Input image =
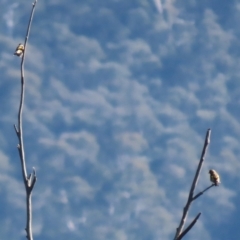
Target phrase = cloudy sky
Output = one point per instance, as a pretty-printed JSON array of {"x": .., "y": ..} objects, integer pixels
[{"x": 119, "y": 96}]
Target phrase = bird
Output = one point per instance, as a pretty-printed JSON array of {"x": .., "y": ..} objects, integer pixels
[
  {"x": 214, "y": 177},
  {"x": 19, "y": 50}
]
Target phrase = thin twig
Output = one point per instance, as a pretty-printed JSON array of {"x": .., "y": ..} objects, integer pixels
[
  {"x": 189, "y": 227},
  {"x": 194, "y": 183},
  {"x": 200, "y": 193},
  {"x": 28, "y": 183}
]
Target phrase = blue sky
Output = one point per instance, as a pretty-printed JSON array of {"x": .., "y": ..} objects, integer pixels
[{"x": 119, "y": 96}]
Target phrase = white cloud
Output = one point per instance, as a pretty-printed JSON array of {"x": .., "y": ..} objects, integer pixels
[
  {"x": 82, "y": 145},
  {"x": 206, "y": 114},
  {"x": 224, "y": 197},
  {"x": 133, "y": 141},
  {"x": 80, "y": 187},
  {"x": 158, "y": 5}
]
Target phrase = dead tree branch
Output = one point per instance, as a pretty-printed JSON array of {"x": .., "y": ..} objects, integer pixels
[
  {"x": 191, "y": 198},
  {"x": 189, "y": 227},
  {"x": 200, "y": 193},
  {"x": 30, "y": 181}
]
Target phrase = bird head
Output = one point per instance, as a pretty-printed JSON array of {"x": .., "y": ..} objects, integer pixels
[{"x": 211, "y": 171}]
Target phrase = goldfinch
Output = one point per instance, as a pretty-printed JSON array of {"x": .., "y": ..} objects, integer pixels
[
  {"x": 214, "y": 177},
  {"x": 19, "y": 50}
]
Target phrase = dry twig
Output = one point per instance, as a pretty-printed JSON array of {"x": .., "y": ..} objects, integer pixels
[
  {"x": 29, "y": 181},
  {"x": 179, "y": 232}
]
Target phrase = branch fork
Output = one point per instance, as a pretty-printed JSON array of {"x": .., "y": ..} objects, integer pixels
[{"x": 179, "y": 231}]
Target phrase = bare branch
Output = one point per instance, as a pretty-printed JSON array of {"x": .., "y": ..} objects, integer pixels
[
  {"x": 32, "y": 179},
  {"x": 200, "y": 193},
  {"x": 189, "y": 227},
  {"x": 19, "y": 132},
  {"x": 16, "y": 130},
  {"x": 194, "y": 184}
]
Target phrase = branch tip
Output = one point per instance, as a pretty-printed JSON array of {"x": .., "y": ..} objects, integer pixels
[
  {"x": 208, "y": 135},
  {"x": 34, "y": 171},
  {"x": 16, "y": 130}
]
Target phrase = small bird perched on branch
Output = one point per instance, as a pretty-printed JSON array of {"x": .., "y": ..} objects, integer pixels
[
  {"x": 19, "y": 50},
  {"x": 214, "y": 177}
]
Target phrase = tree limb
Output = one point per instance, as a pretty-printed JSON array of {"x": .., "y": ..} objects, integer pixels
[
  {"x": 194, "y": 184},
  {"x": 189, "y": 227},
  {"x": 19, "y": 133},
  {"x": 200, "y": 193}
]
